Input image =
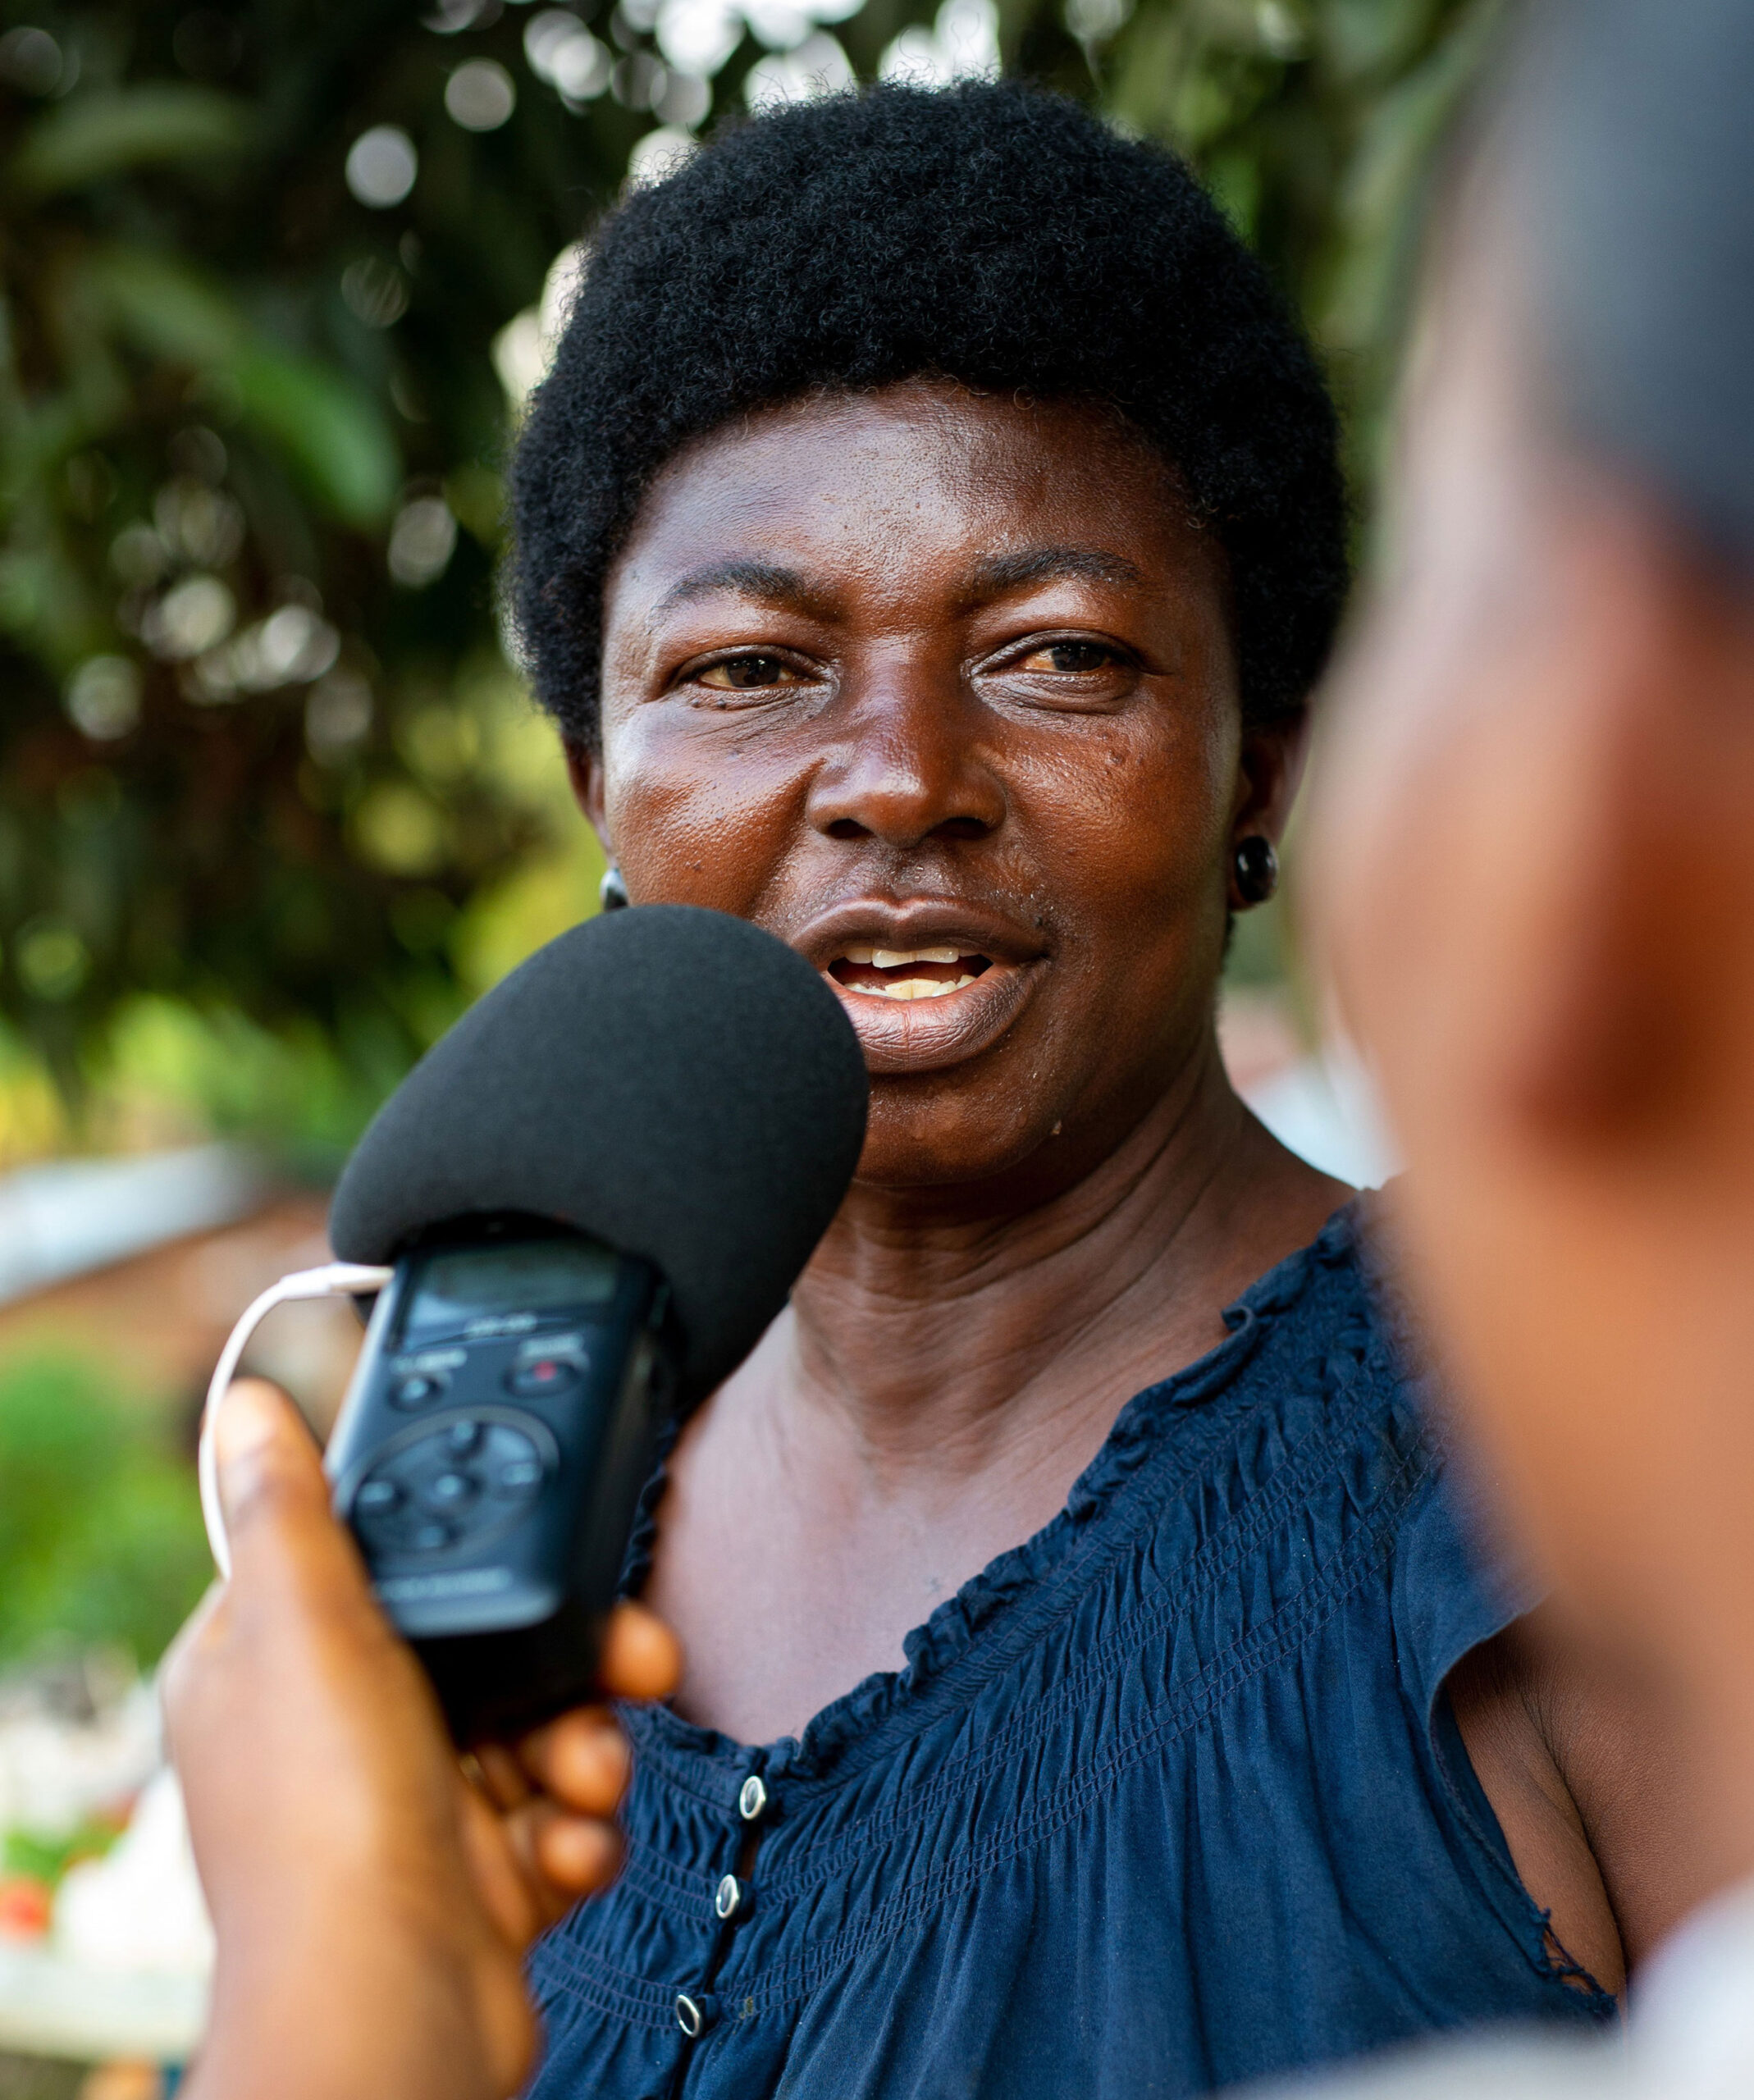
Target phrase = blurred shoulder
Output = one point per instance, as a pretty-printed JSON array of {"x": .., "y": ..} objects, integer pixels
[{"x": 1519, "y": 2068}]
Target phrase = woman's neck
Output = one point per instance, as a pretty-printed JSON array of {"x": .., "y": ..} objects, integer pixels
[
  {"x": 942, "y": 1329},
  {"x": 950, "y": 1363}
]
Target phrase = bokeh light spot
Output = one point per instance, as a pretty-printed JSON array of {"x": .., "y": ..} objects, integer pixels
[
  {"x": 422, "y": 541},
  {"x": 52, "y": 961},
  {"x": 30, "y": 60},
  {"x": 381, "y": 166},
  {"x": 479, "y": 95},
  {"x": 103, "y": 697}
]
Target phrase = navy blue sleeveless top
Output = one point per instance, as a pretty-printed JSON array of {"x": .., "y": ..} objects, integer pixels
[{"x": 1167, "y": 1797}]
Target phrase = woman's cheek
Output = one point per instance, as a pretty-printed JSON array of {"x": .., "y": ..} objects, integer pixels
[
  {"x": 1153, "y": 816},
  {"x": 691, "y": 823}
]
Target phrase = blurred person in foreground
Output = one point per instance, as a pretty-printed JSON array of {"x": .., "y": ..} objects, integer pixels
[{"x": 1538, "y": 880}]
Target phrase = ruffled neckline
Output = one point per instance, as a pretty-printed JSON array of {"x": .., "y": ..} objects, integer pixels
[{"x": 954, "y": 1625}]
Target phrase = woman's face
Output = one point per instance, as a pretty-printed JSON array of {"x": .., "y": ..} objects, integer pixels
[{"x": 941, "y": 690}]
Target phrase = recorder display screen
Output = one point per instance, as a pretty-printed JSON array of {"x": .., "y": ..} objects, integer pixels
[{"x": 531, "y": 1275}]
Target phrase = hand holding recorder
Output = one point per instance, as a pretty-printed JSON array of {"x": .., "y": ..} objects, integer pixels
[{"x": 370, "y": 1906}]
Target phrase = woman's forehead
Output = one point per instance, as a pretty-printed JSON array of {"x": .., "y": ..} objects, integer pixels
[{"x": 925, "y": 470}]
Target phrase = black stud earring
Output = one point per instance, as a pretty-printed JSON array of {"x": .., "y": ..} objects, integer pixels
[
  {"x": 612, "y": 891},
  {"x": 1256, "y": 869}
]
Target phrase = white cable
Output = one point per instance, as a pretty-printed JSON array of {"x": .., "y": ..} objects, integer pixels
[{"x": 335, "y": 1279}]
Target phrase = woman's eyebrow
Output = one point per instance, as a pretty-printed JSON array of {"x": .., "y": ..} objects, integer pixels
[
  {"x": 1001, "y": 573},
  {"x": 749, "y": 578}
]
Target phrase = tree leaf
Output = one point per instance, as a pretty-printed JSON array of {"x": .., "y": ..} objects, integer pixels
[
  {"x": 327, "y": 428},
  {"x": 164, "y": 309},
  {"x": 101, "y": 135},
  {"x": 331, "y": 432}
]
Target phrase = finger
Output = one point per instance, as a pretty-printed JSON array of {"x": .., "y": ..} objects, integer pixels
[
  {"x": 517, "y": 1902},
  {"x": 561, "y": 1857},
  {"x": 500, "y": 1775},
  {"x": 581, "y": 1760},
  {"x": 641, "y": 1658},
  {"x": 577, "y": 1855}
]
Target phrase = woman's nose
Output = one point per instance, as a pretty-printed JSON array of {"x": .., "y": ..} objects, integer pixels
[{"x": 909, "y": 765}]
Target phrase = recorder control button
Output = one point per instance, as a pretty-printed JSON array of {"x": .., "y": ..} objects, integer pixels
[
  {"x": 415, "y": 1392},
  {"x": 461, "y": 1480},
  {"x": 514, "y": 1466},
  {"x": 542, "y": 1374}
]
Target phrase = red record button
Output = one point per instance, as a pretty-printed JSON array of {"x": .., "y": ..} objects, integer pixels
[{"x": 542, "y": 1374}]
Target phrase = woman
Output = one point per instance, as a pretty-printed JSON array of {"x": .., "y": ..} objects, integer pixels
[{"x": 928, "y": 535}]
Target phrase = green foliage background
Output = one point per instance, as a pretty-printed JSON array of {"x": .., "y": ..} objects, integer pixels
[
  {"x": 216, "y": 363},
  {"x": 100, "y": 1528}
]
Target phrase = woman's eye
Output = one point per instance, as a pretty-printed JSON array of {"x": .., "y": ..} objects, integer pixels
[
  {"x": 740, "y": 673},
  {"x": 1069, "y": 657}
]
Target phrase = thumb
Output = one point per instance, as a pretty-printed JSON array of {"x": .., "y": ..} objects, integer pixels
[{"x": 272, "y": 1485}]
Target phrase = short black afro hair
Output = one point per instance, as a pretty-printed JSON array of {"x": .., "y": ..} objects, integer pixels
[{"x": 990, "y": 233}]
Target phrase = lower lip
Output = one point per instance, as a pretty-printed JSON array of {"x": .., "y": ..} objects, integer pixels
[{"x": 924, "y": 1035}]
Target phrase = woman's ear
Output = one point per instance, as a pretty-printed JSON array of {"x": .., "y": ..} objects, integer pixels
[
  {"x": 1268, "y": 770},
  {"x": 584, "y": 768}
]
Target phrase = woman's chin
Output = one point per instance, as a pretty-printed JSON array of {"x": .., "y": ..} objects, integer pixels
[
  {"x": 903, "y": 1036},
  {"x": 930, "y": 1147}
]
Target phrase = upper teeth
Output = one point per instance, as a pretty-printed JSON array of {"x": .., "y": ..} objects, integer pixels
[{"x": 891, "y": 958}]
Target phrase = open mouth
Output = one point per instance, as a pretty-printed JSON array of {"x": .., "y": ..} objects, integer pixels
[
  {"x": 931, "y": 972},
  {"x": 929, "y": 982}
]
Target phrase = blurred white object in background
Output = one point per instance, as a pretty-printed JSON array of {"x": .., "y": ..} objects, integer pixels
[
  {"x": 125, "y": 1969},
  {"x": 817, "y": 66},
  {"x": 1324, "y": 1108},
  {"x": 479, "y": 95},
  {"x": 140, "y": 1908},
  {"x": 524, "y": 348},
  {"x": 962, "y": 44},
  {"x": 422, "y": 539},
  {"x": 660, "y": 154},
  {"x": 698, "y": 36},
  {"x": 1320, "y": 1103},
  {"x": 68, "y": 1216},
  {"x": 50, "y": 2008},
  {"x": 61, "y": 1767}
]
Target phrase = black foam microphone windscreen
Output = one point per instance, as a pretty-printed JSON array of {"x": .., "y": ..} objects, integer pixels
[{"x": 674, "y": 1080}]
